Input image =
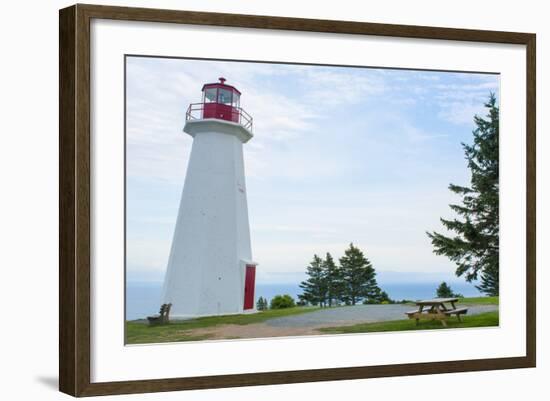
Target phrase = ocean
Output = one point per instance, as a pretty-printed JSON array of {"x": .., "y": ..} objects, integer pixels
[{"x": 143, "y": 298}]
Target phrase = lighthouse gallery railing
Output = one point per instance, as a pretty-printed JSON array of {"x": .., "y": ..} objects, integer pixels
[{"x": 195, "y": 111}]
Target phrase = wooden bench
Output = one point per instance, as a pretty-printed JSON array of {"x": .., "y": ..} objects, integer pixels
[
  {"x": 163, "y": 317},
  {"x": 457, "y": 312}
]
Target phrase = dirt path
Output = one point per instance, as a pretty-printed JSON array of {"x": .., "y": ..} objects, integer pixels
[{"x": 257, "y": 330}]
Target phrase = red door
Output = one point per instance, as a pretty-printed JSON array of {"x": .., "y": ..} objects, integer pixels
[{"x": 250, "y": 278}]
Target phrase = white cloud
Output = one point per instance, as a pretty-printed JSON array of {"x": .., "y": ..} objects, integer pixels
[
  {"x": 460, "y": 102},
  {"x": 335, "y": 87},
  {"x": 461, "y": 112},
  {"x": 417, "y": 135}
]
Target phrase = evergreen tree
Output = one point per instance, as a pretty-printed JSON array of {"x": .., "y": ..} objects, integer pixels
[
  {"x": 379, "y": 297},
  {"x": 303, "y": 300},
  {"x": 444, "y": 291},
  {"x": 358, "y": 276},
  {"x": 489, "y": 281},
  {"x": 261, "y": 304},
  {"x": 475, "y": 246},
  {"x": 333, "y": 280},
  {"x": 385, "y": 298},
  {"x": 314, "y": 288}
]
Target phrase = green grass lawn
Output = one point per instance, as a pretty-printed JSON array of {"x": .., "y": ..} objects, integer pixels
[
  {"x": 478, "y": 301},
  {"x": 139, "y": 332},
  {"x": 472, "y": 301},
  {"x": 482, "y": 320}
]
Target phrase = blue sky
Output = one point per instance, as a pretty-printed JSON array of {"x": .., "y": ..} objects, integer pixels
[{"x": 339, "y": 155}]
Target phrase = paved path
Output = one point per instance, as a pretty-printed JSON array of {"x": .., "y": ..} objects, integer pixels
[
  {"x": 309, "y": 323},
  {"x": 347, "y": 315}
]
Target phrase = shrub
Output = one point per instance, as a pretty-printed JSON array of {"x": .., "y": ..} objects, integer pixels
[{"x": 282, "y": 301}]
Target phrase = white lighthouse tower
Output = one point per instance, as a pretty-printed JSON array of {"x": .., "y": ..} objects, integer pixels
[{"x": 210, "y": 269}]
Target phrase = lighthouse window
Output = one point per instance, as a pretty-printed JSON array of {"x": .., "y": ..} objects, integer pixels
[
  {"x": 224, "y": 96},
  {"x": 210, "y": 95},
  {"x": 235, "y": 102}
]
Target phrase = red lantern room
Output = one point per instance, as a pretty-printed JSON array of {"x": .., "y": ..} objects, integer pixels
[{"x": 220, "y": 101}]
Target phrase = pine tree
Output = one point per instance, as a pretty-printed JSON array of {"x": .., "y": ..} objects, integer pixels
[
  {"x": 489, "y": 281},
  {"x": 385, "y": 298},
  {"x": 358, "y": 277},
  {"x": 444, "y": 291},
  {"x": 261, "y": 304},
  {"x": 333, "y": 280},
  {"x": 314, "y": 288},
  {"x": 475, "y": 246}
]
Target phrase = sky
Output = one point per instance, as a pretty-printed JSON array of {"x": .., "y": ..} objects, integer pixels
[{"x": 339, "y": 155}]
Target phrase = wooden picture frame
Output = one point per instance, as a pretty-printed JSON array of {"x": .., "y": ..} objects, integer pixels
[{"x": 74, "y": 199}]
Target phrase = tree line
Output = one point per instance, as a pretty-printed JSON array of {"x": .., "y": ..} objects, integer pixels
[{"x": 350, "y": 281}]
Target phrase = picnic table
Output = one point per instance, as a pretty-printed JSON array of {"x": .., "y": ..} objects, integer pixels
[{"x": 437, "y": 309}]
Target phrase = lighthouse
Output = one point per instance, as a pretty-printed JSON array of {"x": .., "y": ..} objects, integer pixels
[{"x": 210, "y": 269}]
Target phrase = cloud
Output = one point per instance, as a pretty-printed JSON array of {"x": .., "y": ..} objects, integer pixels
[
  {"x": 459, "y": 102},
  {"x": 417, "y": 135},
  {"x": 334, "y": 87},
  {"x": 461, "y": 112}
]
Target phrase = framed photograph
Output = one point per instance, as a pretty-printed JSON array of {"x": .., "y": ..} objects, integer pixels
[{"x": 250, "y": 200}]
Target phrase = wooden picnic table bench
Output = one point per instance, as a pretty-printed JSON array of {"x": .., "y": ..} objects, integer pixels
[{"x": 436, "y": 310}]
